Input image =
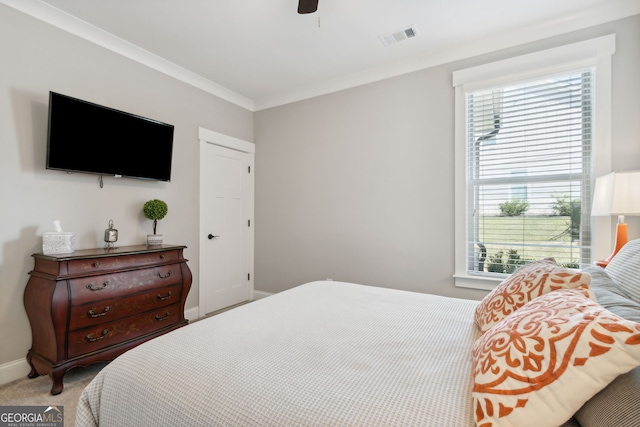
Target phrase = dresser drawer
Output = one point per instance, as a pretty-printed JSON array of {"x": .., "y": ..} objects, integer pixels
[
  {"x": 97, "y": 288},
  {"x": 98, "y": 312},
  {"x": 110, "y": 333},
  {"x": 105, "y": 264}
]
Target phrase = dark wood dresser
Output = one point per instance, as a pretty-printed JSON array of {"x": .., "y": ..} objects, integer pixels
[{"x": 93, "y": 305}]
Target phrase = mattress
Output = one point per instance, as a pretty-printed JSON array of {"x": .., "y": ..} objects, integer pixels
[{"x": 321, "y": 354}]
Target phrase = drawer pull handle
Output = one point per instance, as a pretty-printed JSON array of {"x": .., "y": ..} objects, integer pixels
[
  {"x": 161, "y": 318},
  {"x": 93, "y": 287},
  {"x": 92, "y": 313},
  {"x": 162, "y": 256},
  {"x": 96, "y": 264},
  {"x": 165, "y": 297},
  {"x": 91, "y": 338},
  {"x": 164, "y": 276}
]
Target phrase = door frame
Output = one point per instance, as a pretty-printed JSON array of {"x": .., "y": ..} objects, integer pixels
[{"x": 206, "y": 136}]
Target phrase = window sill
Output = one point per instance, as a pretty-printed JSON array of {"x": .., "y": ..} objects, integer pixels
[{"x": 477, "y": 282}]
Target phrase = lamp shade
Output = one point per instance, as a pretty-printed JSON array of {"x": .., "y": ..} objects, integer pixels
[{"x": 617, "y": 193}]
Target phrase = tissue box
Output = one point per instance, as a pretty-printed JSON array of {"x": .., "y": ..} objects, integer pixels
[{"x": 54, "y": 242}]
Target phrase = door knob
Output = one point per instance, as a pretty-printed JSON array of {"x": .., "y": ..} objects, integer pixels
[{"x": 211, "y": 236}]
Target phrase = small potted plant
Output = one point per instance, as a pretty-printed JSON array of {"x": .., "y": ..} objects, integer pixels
[{"x": 155, "y": 210}]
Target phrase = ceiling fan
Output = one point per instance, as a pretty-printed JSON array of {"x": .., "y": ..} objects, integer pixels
[{"x": 307, "y": 6}]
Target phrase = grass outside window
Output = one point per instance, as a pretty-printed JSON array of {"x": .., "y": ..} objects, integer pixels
[{"x": 545, "y": 236}]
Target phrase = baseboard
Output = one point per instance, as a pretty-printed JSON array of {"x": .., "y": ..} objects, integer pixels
[
  {"x": 192, "y": 314},
  {"x": 15, "y": 370},
  {"x": 260, "y": 294}
]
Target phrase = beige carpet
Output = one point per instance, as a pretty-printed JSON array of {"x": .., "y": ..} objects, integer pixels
[{"x": 37, "y": 391}]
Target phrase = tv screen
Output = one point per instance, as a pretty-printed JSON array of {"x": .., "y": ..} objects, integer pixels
[{"x": 90, "y": 138}]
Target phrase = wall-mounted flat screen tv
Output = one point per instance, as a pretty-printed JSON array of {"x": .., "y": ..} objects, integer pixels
[{"x": 90, "y": 138}]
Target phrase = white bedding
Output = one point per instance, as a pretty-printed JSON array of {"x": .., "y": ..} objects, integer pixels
[{"x": 321, "y": 354}]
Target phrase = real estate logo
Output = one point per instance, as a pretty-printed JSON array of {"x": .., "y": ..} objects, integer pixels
[{"x": 31, "y": 416}]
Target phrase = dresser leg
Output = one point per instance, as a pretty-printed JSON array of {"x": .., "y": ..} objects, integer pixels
[
  {"x": 33, "y": 373},
  {"x": 56, "y": 376}
]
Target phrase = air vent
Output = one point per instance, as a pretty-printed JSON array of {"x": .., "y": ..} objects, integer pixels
[{"x": 399, "y": 35}]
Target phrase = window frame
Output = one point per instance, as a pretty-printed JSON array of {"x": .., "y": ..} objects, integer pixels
[{"x": 595, "y": 53}]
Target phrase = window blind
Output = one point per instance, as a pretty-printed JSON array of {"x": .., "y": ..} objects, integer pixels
[{"x": 529, "y": 169}]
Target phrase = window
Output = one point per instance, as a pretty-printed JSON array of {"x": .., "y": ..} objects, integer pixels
[
  {"x": 525, "y": 162},
  {"x": 528, "y": 173}
]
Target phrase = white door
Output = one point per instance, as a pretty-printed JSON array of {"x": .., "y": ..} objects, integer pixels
[{"x": 226, "y": 215}]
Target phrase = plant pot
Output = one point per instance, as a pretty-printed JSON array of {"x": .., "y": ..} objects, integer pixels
[{"x": 154, "y": 239}]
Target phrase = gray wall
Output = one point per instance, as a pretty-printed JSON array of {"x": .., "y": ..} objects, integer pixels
[
  {"x": 37, "y": 58},
  {"x": 355, "y": 185},
  {"x": 358, "y": 185}
]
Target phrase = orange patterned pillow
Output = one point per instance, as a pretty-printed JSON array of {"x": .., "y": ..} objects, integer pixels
[
  {"x": 526, "y": 283},
  {"x": 539, "y": 365}
]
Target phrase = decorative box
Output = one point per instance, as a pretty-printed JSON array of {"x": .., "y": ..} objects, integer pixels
[{"x": 58, "y": 242}]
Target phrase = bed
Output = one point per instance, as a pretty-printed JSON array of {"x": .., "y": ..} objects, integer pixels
[{"x": 330, "y": 353}]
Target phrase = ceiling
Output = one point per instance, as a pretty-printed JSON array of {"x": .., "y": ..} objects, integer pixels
[{"x": 262, "y": 53}]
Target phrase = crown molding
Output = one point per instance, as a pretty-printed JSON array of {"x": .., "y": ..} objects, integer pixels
[
  {"x": 83, "y": 29},
  {"x": 611, "y": 11}
]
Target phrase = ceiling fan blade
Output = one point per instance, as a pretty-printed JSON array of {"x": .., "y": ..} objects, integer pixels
[{"x": 307, "y": 6}]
